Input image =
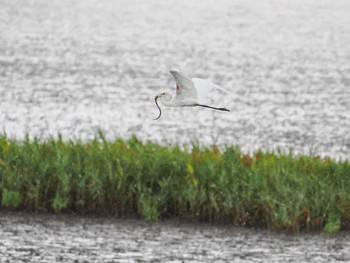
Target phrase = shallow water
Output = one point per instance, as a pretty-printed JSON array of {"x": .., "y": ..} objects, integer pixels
[
  {"x": 49, "y": 238},
  {"x": 73, "y": 67}
]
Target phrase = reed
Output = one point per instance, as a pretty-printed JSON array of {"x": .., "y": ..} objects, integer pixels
[{"x": 127, "y": 178}]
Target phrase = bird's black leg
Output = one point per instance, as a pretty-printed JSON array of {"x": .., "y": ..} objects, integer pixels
[{"x": 210, "y": 107}]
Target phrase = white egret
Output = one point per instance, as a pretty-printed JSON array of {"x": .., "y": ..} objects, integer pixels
[{"x": 189, "y": 92}]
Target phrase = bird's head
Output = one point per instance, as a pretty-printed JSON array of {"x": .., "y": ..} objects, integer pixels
[{"x": 159, "y": 95}]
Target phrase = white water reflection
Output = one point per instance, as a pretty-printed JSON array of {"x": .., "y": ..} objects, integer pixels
[
  {"x": 49, "y": 238},
  {"x": 73, "y": 67}
]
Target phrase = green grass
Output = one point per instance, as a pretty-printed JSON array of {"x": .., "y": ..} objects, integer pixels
[{"x": 128, "y": 178}]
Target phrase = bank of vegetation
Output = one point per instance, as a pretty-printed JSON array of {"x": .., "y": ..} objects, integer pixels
[{"x": 130, "y": 178}]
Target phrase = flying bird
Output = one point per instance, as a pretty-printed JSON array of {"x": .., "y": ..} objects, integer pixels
[{"x": 189, "y": 93}]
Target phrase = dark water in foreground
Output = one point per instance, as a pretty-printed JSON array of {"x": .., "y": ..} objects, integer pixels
[{"x": 51, "y": 238}]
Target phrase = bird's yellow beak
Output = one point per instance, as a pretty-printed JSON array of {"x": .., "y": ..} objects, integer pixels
[{"x": 159, "y": 95}]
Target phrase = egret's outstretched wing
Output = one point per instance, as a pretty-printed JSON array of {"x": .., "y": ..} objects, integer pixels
[
  {"x": 207, "y": 92},
  {"x": 185, "y": 88}
]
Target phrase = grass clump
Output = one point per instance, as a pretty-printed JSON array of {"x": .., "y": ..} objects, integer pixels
[{"x": 129, "y": 178}]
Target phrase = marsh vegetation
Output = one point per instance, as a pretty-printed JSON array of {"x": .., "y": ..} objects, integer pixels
[{"x": 131, "y": 178}]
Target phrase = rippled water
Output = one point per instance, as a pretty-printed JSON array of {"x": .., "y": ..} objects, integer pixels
[
  {"x": 42, "y": 238},
  {"x": 73, "y": 67}
]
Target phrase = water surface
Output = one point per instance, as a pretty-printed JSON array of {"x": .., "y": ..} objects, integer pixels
[
  {"x": 73, "y": 67},
  {"x": 62, "y": 238}
]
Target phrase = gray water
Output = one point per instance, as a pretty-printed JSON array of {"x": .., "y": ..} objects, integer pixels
[
  {"x": 48, "y": 238},
  {"x": 74, "y": 67}
]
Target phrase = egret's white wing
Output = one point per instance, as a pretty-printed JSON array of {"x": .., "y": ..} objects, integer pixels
[
  {"x": 185, "y": 88},
  {"x": 207, "y": 92}
]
